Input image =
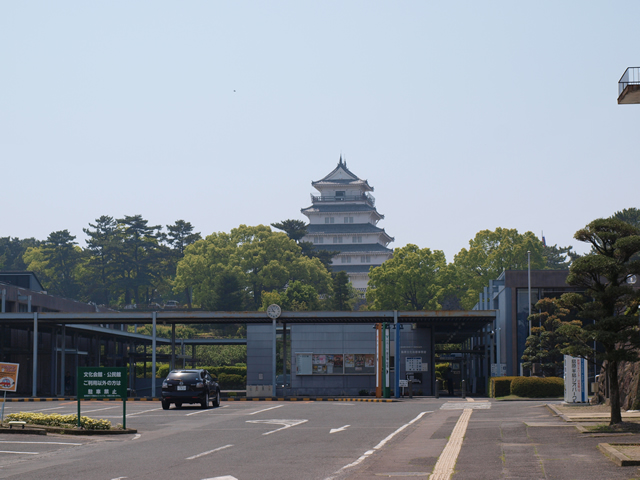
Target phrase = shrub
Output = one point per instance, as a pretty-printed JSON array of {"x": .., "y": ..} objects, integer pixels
[
  {"x": 57, "y": 420},
  {"x": 501, "y": 386},
  {"x": 536, "y": 387},
  {"x": 229, "y": 381}
]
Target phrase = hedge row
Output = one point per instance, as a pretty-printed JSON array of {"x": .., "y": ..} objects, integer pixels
[
  {"x": 529, "y": 387},
  {"x": 57, "y": 420},
  {"x": 501, "y": 386},
  {"x": 537, "y": 387}
]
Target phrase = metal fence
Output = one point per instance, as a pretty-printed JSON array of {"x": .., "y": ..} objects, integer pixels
[{"x": 631, "y": 76}]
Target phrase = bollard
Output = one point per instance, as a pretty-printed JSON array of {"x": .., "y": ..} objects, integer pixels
[
  {"x": 463, "y": 386},
  {"x": 437, "y": 388}
]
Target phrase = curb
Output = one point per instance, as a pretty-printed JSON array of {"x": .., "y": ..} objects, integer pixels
[
  {"x": 224, "y": 399},
  {"x": 617, "y": 457}
]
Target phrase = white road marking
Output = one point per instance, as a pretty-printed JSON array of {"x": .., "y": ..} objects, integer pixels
[
  {"x": 341, "y": 429},
  {"x": 465, "y": 405},
  {"x": 264, "y": 410},
  {"x": 286, "y": 423},
  {"x": 45, "y": 409},
  {"x": 136, "y": 436},
  {"x": 144, "y": 411},
  {"x": 119, "y": 478},
  {"x": 226, "y": 477},
  {"x": 377, "y": 447},
  {"x": 207, "y": 453},
  {"x": 20, "y": 453},
  {"x": 44, "y": 443},
  {"x": 197, "y": 412},
  {"x": 447, "y": 460},
  {"x": 96, "y": 410}
]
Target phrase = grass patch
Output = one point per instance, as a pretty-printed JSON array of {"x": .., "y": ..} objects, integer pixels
[{"x": 623, "y": 427}]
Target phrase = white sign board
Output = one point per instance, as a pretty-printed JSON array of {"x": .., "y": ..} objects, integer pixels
[
  {"x": 575, "y": 380},
  {"x": 413, "y": 364},
  {"x": 303, "y": 364},
  {"x": 403, "y": 383},
  {"x": 498, "y": 369}
]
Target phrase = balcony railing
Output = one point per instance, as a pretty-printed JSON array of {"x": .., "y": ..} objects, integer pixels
[
  {"x": 365, "y": 197},
  {"x": 631, "y": 76}
]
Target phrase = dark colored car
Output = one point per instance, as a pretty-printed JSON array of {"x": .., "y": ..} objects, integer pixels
[{"x": 190, "y": 386}]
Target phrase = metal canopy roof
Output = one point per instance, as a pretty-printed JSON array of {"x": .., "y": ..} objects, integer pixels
[{"x": 450, "y": 326}]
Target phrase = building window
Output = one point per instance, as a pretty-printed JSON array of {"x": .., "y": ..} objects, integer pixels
[
  {"x": 337, "y": 239},
  {"x": 321, "y": 239},
  {"x": 365, "y": 259},
  {"x": 346, "y": 259},
  {"x": 348, "y": 219},
  {"x": 340, "y": 196},
  {"x": 356, "y": 239},
  {"x": 315, "y": 239}
]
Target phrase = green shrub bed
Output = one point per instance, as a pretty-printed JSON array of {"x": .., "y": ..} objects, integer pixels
[
  {"x": 501, "y": 386},
  {"x": 57, "y": 420},
  {"x": 536, "y": 387}
]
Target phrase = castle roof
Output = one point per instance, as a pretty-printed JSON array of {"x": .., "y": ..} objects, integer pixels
[{"x": 341, "y": 175}]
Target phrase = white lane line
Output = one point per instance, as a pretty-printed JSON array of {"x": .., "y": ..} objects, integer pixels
[
  {"x": 207, "y": 453},
  {"x": 447, "y": 461},
  {"x": 341, "y": 429},
  {"x": 144, "y": 411},
  {"x": 45, "y": 409},
  {"x": 44, "y": 443},
  {"x": 20, "y": 453},
  {"x": 266, "y": 409},
  {"x": 196, "y": 412},
  {"x": 97, "y": 410},
  {"x": 377, "y": 447}
]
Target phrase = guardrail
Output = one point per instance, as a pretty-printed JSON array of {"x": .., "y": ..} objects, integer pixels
[{"x": 631, "y": 76}]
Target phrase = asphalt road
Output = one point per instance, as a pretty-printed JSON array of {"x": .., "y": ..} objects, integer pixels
[{"x": 311, "y": 440}]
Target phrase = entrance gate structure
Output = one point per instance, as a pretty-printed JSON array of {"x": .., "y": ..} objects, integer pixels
[{"x": 320, "y": 341}]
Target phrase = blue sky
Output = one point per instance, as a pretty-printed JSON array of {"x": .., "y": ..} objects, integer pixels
[{"x": 464, "y": 116}]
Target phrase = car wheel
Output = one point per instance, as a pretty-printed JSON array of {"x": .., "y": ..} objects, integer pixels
[
  {"x": 178, "y": 405},
  {"x": 216, "y": 399},
  {"x": 165, "y": 405},
  {"x": 205, "y": 401}
]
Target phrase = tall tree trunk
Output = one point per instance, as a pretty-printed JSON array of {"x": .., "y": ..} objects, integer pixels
[{"x": 614, "y": 393}]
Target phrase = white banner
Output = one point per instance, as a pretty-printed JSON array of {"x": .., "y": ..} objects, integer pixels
[{"x": 575, "y": 380}]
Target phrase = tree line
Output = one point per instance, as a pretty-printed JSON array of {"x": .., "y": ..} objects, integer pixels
[{"x": 128, "y": 261}]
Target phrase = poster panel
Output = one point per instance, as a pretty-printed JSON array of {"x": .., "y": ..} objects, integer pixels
[
  {"x": 102, "y": 382},
  {"x": 304, "y": 364},
  {"x": 9, "y": 377},
  {"x": 575, "y": 380}
]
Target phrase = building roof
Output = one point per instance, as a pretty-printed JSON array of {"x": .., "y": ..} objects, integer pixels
[
  {"x": 341, "y": 175},
  {"x": 340, "y": 208},
  {"x": 361, "y": 248},
  {"x": 342, "y": 228}
]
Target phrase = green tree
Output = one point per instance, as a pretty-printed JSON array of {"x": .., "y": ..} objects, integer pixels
[
  {"x": 12, "y": 251},
  {"x": 611, "y": 304},
  {"x": 629, "y": 215},
  {"x": 545, "y": 344},
  {"x": 180, "y": 235},
  {"x": 489, "y": 254},
  {"x": 295, "y": 229},
  {"x": 140, "y": 258},
  {"x": 56, "y": 262},
  {"x": 558, "y": 258},
  {"x": 413, "y": 279},
  {"x": 262, "y": 260},
  {"x": 344, "y": 295},
  {"x": 104, "y": 243}
]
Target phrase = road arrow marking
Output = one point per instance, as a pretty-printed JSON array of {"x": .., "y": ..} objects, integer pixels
[
  {"x": 286, "y": 423},
  {"x": 341, "y": 429}
]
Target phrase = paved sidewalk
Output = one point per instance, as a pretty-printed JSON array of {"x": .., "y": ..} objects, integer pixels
[{"x": 510, "y": 440}]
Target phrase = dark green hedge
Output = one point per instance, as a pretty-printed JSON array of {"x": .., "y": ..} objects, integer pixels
[
  {"x": 536, "y": 387},
  {"x": 501, "y": 386}
]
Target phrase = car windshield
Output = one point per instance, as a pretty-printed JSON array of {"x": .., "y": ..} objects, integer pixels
[{"x": 184, "y": 376}]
